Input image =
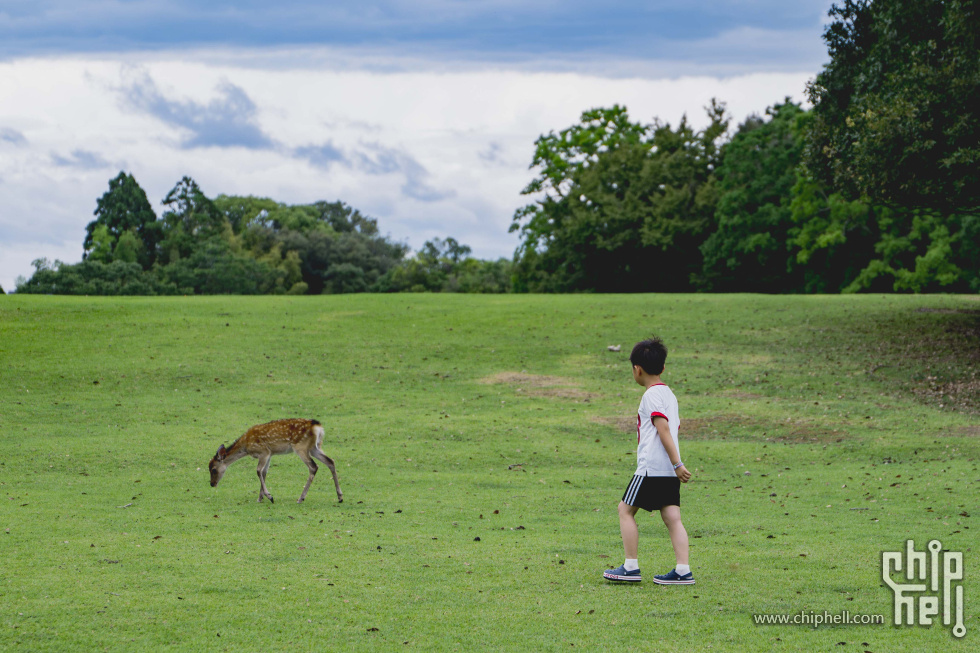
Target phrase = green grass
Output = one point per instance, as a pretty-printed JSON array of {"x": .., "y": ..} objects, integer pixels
[{"x": 821, "y": 431}]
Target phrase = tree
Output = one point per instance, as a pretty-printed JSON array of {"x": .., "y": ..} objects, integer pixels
[
  {"x": 834, "y": 239},
  {"x": 434, "y": 268},
  {"x": 91, "y": 277},
  {"x": 895, "y": 125},
  {"x": 100, "y": 245},
  {"x": 190, "y": 218},
  {"x": 245, "y": 212},
  {"x": 622, "y": 206},
  {"x": 213, "y": 268},
  {"x": 128, "y": 247},
  {"x": 845, "y": 245},
  {"x": 345, "y": 219},
  {"x": 749, "y": 249},
  {"x": 326, "y": 257},
  {"x": 895, "y": 115},
  {"x": 477, "y": 276},
  {"x": 122, "y": 208}
]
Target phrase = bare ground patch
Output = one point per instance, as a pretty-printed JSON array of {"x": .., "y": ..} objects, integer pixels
[
  {"x": 562, "y": 393},
  {"x": 540, "y": 385},
  {"x": 963, "y": 393},
  {"x": 939, "y": 356},
  {"x": 718, "y": 427},
  {"x": 965, "y": 432},
  {"x": 525, "y": 380}
]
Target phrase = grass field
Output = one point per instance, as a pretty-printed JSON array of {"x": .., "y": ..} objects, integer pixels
[{"x": 482, "y": 444}]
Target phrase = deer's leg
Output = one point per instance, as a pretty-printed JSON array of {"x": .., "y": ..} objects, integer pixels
[
  {"x": 262, "y": 470},
  {"x": 305, "y": 456},
  {"x": 323, "y": 458}
]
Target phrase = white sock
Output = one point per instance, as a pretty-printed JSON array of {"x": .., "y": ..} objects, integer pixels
[
  {"x": 631, "y": 565},
  {"x": 683, "y": 570}
]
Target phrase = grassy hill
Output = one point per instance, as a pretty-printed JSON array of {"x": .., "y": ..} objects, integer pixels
[{"x": 483, "y": 444}]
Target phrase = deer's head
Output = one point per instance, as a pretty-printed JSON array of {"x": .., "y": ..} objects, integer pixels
[{"x": 218, "y": 465}]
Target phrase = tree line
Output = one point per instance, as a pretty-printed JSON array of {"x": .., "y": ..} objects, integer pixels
[
  {"x": 875, "y": 188},
  {"x": 249, "y": 245}
]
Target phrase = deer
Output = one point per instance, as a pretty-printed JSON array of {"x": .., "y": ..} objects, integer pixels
[{"x": 302, "y": 436}]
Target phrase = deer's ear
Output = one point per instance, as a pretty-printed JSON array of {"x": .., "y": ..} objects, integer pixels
[{"x": 221, "y": 452}]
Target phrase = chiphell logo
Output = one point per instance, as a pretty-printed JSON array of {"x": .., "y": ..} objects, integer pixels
[{"x": 942, "y": 583}]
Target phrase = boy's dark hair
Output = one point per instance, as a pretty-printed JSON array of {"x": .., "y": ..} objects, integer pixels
[{"x": 650, "y": 354}]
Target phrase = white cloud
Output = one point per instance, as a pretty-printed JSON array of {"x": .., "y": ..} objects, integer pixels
[{"x": 428, "y": 153}]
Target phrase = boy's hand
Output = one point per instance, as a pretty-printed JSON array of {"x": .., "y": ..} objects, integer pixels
[{"x": 683, "y": 474}]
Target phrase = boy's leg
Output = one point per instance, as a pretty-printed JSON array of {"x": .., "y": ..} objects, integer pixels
[
  {"x": 629, "y": 530},
  {"x": 629, "y": 571},
  {"x": 678, "y": 534}
]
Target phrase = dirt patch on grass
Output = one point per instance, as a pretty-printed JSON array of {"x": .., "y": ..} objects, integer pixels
[
  {"x": 540, "y": 385},
  {"x": 965, "y": 432},
  {"x": 524, "y": 380},
  {"x": 807, "y": 432},
  {"x": 718, "y": 427},
  {"x": 961, "y": 394},
  {"x": 562, "y": 393},
  {"x": 937, "y": 354}
]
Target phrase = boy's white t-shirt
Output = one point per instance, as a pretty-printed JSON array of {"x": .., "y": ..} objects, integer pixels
[{"x": 651, "y": 457}]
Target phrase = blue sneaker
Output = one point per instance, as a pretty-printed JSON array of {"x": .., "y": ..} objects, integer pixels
[
  {"x": 673, "y": 578},
  {"x": 620, "y": 574}
]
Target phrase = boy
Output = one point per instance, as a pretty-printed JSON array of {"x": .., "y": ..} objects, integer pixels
[{"x": 659, "y": 470}]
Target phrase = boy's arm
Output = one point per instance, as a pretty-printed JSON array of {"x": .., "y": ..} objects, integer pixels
[{"x": 663, "y": 430}]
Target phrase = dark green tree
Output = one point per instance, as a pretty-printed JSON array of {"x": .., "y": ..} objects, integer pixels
[
  {"x": 344, "y": 219},
  {"x": 749, "y": 251},
  {"x": 434, "y": 268},
  {"x": 326, "y": 258},
  {"x": 213, "y": 268},
  {"x": 894, "y": 125},
  {"x": 243, "y": 213},
  {"x": 834, "y": 239},
  {"x": 895, "y": 109},
  {"x": 845, "y": 245},
  {"x": 123, "y": 208},
  {"x": 91, "y": 277},
  {"x": 190, "y": 219},
  {"x": 622, "y": 207}
]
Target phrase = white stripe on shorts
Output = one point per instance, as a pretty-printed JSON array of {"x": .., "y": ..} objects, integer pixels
[{"x": 633, "y": 488}]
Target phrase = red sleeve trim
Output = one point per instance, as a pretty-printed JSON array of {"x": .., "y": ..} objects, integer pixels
[{"x": 652, "y": 415}]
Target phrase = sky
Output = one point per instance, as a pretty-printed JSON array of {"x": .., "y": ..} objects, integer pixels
[{"x": 422, "y": 114}]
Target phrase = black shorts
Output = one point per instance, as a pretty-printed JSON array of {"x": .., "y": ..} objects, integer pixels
[{"x": 653, "y": 492}]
